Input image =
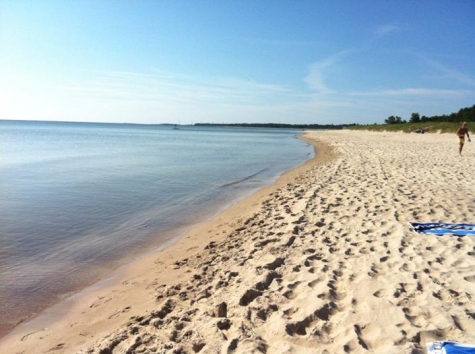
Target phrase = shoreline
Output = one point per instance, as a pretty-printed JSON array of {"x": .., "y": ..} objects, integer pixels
[
  {"x": 22, "y": 306},
  {"x": 322, "y": 259},
  {"x": 59, "y": 312}
]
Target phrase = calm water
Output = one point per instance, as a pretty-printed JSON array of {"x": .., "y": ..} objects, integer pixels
[{"x": 77, "y": 200}]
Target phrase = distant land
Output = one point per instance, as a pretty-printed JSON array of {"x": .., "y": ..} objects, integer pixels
[
  {"x": 466, "y": 114},
  {"x": 276, "y": 125}
]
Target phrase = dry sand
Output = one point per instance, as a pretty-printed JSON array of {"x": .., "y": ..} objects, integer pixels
[{"x": 323, "y": 261}]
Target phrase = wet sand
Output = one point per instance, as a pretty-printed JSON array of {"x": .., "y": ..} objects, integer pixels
[{"x": 323, "y": 261}]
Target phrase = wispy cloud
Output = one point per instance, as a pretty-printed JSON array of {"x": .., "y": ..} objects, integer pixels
[
  {"x": 449, "y": 72},
  {"x": 158, "y": 96},
  {"x": 281, "y": 42},
  {"x": 386, "y": 30},
  {"x": 317, "y": 77},
  {"x": 175, "y": 87},
  {"x": 415, "y": 92}
]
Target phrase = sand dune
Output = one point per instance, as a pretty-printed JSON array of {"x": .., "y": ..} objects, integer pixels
[{"x": 324, "y": 261}]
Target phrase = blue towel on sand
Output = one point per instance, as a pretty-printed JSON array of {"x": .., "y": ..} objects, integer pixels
[
  {"x": 442, "y": 228},
  {"x": 450, "y": 348}
]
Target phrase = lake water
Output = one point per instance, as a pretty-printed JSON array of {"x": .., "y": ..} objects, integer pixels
[{"x": 77, "y": 200}]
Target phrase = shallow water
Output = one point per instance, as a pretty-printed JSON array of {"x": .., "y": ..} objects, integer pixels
[{"x": 77, "y": 200}]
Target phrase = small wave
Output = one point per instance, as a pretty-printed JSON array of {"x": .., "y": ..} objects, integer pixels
[{"x": 244, "y": 179}]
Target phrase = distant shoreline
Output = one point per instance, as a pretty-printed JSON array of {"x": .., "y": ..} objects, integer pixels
[{"x": 240, "y": 125}]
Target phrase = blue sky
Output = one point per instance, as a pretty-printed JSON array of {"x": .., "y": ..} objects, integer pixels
[{"x": 235, "y": 61}]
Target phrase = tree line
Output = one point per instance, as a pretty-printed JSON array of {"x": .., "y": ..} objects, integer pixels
[
  {"x": 277, "y": 125},
  {"x": 463, "y": 115}
]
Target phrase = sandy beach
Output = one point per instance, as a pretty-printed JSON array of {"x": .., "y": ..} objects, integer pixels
[{"x": 323, "y": 261}]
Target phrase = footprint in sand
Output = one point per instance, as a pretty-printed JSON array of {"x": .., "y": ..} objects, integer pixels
[
  {"x": 117, "y": 313},
  {"x": 367, "y": 335},
  {"x": 313, "y": 283},
  {"x": 416, "y": 316},
  {"x": 301, "y": 327},
  {"x": 470, "y": 278},
  {"x": 100, "y": 301}
]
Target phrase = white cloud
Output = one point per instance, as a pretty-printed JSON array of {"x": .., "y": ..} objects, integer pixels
[
  {"x": 317, "y": 78},
  {"x": 385, "y": 30},
  {"x": 281, "y": 42},
  {"x": 176, "y": 88},
  {"x": 449, "y": 72},
  {"x": 164, "y": 97},
  {"x": 415, "y": 92},
  {"x": 156, "y": 97}
]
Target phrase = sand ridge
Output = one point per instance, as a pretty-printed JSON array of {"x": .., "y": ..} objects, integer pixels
[{"x": 322, "y": 262}]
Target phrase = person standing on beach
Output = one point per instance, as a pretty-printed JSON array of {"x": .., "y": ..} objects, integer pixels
[{"x": 461, "y": 134}]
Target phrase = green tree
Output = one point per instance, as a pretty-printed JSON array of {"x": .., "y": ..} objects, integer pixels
[
  {"x": 415, "y": 118},
  {"x": 394, "y": 120},
  {"x": 466, "y": 114},
  {"x": 390, "y": 120}
]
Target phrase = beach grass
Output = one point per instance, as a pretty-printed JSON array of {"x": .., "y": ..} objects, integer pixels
[{"x": 428, "y": 127}]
